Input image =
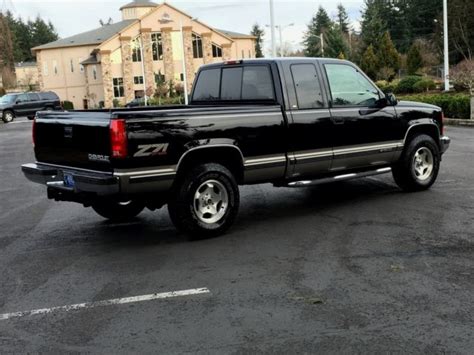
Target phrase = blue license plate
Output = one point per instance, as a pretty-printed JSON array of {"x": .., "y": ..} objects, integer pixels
[{"x": 68, "y": 180}]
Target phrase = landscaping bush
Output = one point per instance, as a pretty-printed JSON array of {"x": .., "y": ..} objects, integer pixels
[
  {"x": 406, "y": 85},
  {"x": 2, "y": 92},
  {"x": 453, "y": 105},
  {"x": 424, "y": 85},
  {"x": 68, "y": 105},
  {"x": 385, "y": 86}
]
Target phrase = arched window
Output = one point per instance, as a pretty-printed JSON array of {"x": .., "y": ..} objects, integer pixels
[
  {"x": 197, "y": 46},
  {"x": 136, "y": 50}
]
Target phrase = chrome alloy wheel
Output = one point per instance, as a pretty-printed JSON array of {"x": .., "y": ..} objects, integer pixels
[
  {"x": 211, "y": 201},
  {"x": 8, "y": 116},
  {"x": 423, "y": 164}
]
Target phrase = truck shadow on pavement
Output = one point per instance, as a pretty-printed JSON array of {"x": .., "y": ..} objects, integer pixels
[{"x": 261, "y": 207}]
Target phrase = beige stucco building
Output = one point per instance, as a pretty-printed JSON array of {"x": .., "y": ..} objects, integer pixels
[
  {"x": 122, "y": 60},
  {"x": 26, "y": 76}
]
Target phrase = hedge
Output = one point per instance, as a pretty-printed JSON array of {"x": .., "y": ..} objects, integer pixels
[{"x": 453, "y": 105}]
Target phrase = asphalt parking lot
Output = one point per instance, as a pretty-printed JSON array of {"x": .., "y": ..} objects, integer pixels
[{"x": 356, "y": 267}]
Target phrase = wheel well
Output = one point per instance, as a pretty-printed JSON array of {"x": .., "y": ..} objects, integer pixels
[
  {"x": 428, "y": 129},
  {"x": 229, "y": 157}
]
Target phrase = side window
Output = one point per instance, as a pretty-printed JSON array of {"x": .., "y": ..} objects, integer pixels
[
  {"x": 257, "y": 83},
  {"x": 33, "y": 97},
  {"x": 308, "y": 89},
  {"x": 207, "y": 85},
  {"x": 231, "y": 84},
  {"x": 349, "y": 87},
  {"x": 22, "y": 98}
]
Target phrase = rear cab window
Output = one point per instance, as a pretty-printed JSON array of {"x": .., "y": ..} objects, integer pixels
[
  {"x": 235, "y": 83},
  {"x": 307, "y": 86}
]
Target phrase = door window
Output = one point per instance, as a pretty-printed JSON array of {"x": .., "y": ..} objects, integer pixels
[
  {"x": 33, "y": 97},
  {"x": 308, "y": 90},
  {"x": 349, "y": 87},
  {"x": 22, "y": 98}
]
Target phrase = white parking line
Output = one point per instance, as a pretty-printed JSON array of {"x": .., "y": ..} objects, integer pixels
[{"x": 111, "y": 302}]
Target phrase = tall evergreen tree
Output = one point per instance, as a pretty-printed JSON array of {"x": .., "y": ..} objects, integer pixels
[
  {"x": 369, "y": 62},
  {"x": 373, "y": 25},
  {"x": 42, "y": 32},
  {"x": 320, "y": 23},
  {"x": 389, "y": 58},
  {"x": 343, "y": 19},
  {"x": 335, "y": 43},
  {"x": 414, "y": 60},
  {"x": 258, "y": 32}
]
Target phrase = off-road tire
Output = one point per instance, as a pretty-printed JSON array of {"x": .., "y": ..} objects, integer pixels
[
  {"x": 405, "y": 172},
  {"x": 184, "y": 208}
]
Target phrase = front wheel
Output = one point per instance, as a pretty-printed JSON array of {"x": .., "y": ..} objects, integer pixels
[
  {"x": 8, "y": 116},
  {"x": 418, "y": 167},
  {"x": 118, "y": 211},
  {"x": 205, "y": 201}
]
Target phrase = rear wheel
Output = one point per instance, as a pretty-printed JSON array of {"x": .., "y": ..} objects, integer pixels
[
  {"x": 418, "y": 167},
  {"x": 118, "y": 211},
  {"x": 205, "y": 202},
  {"x": 8, "y": 116}
]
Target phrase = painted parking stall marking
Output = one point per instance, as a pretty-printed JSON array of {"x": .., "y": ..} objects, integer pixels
[{"x": 111, "y": 302}]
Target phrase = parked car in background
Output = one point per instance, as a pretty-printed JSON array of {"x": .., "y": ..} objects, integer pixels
[
  {"x": 137, "y": 102},
  {"x": 27, "y": 104}
]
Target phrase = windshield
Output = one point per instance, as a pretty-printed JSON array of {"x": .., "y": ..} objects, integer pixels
[{"x": 7, "y": 99}]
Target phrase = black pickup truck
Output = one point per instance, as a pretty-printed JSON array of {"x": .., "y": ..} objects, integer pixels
[{"x": 291, "y": 122}]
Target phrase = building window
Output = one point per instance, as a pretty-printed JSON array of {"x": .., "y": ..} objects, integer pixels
[
  {"x": 250, "y": 53},
  {"x": 157, "y": 46},
  {"x": 55, "y": 67},
  {"x": 136, "y": 50},
  {"x": 45, "y": 69},
  {"x": 181, "y": 77},
  {"x": 138, "y": 80},
  {"x": 243, "y": 54},
  {"x": 94, "y": 72},
  {"x": 72, "y": 65},
  {"x": 216, "y": 51},
  {"x": 197, "y": 46},
  {"x": 159, "y": 78},
  {"x": 118, "y": 87}
]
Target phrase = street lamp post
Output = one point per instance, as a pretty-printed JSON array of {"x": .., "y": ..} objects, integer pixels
[
  {"x": 281, "y": 28},
  {"x": 321, "y": 37},
  {"x": 446, "y": 46},
  {"x": 272, "y": 25}
]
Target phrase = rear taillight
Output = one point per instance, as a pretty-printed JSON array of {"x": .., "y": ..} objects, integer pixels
[
  {"x": 118, "y": 139},
  {"x": 33, "y": 132}
]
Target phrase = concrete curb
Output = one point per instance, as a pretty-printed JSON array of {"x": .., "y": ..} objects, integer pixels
[{"x": 456, "y": 122}]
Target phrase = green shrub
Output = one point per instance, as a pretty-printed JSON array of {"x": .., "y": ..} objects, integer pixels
[
  {"x": 116, "y": 103},
  {"x": 2, "y": 91},
  {"x": 385, "y": 86},
  {"x": 424, "y": 85},
  {"x": 406, "y": 85},
  {"x": 453, "y": 105},
  {"x": 68, "y": 105}
]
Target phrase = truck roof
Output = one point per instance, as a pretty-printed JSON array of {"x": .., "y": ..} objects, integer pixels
[{"x": 273, "y": 60}]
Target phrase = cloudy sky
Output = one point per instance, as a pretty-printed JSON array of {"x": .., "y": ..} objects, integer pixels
[{"x": 74, "y": 16}]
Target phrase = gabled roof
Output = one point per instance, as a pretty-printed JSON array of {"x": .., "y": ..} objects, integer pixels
[
  {"x": 93, "y": 37},
  {"x": 235, "y": 34},
  {"x": 139, "y": 3}
]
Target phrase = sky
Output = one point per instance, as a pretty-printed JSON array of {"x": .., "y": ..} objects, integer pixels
[{"x": 74, "y": 16}]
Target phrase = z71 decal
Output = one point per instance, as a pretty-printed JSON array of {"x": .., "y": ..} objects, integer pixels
[{"x": 150, "y": 150}]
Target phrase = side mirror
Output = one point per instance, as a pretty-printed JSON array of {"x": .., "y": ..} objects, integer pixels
[{"x": 391, "y": 99}]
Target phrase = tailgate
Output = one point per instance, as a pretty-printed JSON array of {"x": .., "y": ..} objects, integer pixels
[{"x": 73, "y": 139}]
